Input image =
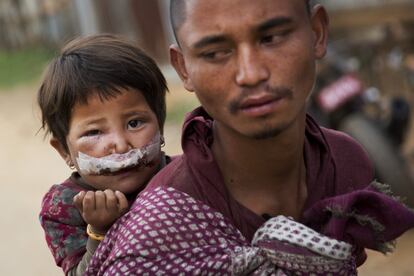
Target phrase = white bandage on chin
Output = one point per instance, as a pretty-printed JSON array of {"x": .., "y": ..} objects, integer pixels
[{"x": 118, "y": 161}]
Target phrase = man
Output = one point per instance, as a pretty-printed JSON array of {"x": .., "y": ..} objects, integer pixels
[{"x": 260, "y": 188}]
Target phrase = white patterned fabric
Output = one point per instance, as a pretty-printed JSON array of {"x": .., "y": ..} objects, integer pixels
[{"x": 287, "y": 230}]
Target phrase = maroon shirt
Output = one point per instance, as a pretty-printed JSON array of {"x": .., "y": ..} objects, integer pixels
[{"x": 335, "y": 165}]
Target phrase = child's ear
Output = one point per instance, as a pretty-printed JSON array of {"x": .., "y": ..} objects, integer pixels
[{"x": 61, "y": 150}]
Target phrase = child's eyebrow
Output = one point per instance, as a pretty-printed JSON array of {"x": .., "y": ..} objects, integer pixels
[
  {"x": 94, "y": 121},
  {"x": 135, "y": 112}
]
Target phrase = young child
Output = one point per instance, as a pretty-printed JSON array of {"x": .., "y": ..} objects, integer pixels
[{"x": 103, "y": 102}]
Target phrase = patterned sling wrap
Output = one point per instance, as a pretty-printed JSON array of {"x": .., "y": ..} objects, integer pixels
[{"x": 169, "y": 233}]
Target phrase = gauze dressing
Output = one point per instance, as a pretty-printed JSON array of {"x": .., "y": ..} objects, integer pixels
[{"x": 118, "y": 161}]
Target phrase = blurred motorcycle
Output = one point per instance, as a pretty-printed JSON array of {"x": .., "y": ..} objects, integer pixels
[{"x": 341, "y": 101}]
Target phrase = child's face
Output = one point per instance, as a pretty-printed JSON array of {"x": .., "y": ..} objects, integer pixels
[{"x": 117, "y": 125}]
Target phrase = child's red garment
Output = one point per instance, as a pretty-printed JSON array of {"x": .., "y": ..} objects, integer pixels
[
  {"x": 65, "y": 229},
  {"x": 63, "y": 225}
]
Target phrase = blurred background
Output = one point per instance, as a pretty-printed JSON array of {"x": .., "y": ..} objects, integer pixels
[{"x": 365, "y": 87}]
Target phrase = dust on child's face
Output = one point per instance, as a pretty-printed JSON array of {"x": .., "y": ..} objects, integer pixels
[{"x": 116, "y": 125}]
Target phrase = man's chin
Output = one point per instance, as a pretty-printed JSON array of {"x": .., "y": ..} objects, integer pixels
[
  {"x": 266, "y": 134},
  {"x": 267, "y": 131},
  {"x": 271, "y": 129}
]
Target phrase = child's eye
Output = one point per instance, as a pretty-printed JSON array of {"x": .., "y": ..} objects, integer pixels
[
  {"x": 133, "y": 124},
  {"x": 92, "y": 132}
]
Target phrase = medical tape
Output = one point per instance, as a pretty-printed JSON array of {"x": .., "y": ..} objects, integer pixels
[{"x": 119, "y": 161}]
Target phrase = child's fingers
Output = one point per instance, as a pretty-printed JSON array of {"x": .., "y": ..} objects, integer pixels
[
  {"x": 122, "y": 202},
  {"x": 78, "y": 200},
  {"x": 100, "y": 200},
  {"x": 89, "y": 202},
  {"x": 111, "y": 201}
]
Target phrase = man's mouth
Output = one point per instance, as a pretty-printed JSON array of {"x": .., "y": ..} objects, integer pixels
[
  {"x": 260, "y": 105},
  {"x": 260, "y": 101}
]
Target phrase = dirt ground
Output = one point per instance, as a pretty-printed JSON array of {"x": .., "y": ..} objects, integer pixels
[{"x": 28, "y": 168}]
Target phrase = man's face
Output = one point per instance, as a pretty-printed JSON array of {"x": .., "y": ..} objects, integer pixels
[{"x": 250, "y": 63}]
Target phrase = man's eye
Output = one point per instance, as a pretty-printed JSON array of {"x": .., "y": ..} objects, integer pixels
[
  {"x": 133, "y": 124},
  {"x": 267, "y": 39},
  {"x": 274, "y": 38},
  {"x": 216, "y": 55}
]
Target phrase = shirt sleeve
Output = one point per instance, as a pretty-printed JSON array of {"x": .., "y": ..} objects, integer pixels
[
  {"x": 80, "y": 268},
  {"x": 65, "y": 230}
]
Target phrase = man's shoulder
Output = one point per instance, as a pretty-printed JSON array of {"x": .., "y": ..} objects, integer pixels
[
  {"x": 173, "y": 174},
  {"x": 339, "y": 145},
  {"x": 351, "y": 160},
  {"x": 343, "y": 146}
]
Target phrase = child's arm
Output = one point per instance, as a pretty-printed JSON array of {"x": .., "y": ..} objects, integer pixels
[
  {"x": 99, "y": 209},
  {"x": 80, "y": 268}
]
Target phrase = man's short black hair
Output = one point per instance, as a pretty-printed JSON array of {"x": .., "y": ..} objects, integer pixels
[
  {"x": 178, "y": 10},
  {"x": 177, "y": 15}
]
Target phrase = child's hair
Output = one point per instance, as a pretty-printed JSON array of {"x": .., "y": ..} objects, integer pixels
[{"x": 97, "y": 64}]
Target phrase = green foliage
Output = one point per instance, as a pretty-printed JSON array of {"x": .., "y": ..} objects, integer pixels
[{"x": 22, "y": 66}]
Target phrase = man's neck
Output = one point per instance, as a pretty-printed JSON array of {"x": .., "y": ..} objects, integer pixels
[{"x": 265, "y": 175}]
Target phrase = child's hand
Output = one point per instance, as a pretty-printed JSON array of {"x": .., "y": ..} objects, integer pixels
[{"x": 100, "y": 209}]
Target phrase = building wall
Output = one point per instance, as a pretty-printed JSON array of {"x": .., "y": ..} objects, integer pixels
[{"x": 27, "y": 22}]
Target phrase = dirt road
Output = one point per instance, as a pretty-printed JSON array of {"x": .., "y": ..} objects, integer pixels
[{"x": 29, "y": 166}]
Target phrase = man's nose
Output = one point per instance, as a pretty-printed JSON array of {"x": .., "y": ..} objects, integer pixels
[
  {"x": 252, "y": 68},
  {"x": 119, "y": 143}
]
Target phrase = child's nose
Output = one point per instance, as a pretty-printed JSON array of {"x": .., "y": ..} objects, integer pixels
[{"x": 120, "y": 144}]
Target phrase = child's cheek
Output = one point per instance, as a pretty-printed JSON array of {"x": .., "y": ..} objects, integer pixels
[{"x": 96, "y": 146}]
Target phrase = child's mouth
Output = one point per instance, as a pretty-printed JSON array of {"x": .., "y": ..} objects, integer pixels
[
  {"x": 121, "y": 171},
  {"x": 126, "y": 170}
]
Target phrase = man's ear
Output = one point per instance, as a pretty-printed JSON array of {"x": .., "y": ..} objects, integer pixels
[
  {"x": 177, "y": 61},
  {"x": 320, "y": 27},
  {"x": 61, "y": 150}
]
